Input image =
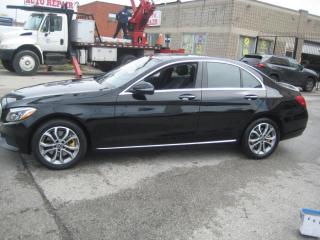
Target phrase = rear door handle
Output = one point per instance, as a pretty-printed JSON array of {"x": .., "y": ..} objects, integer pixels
[
  {"x": 187, "y": 97},
  {"x": 251, "y": 97}
]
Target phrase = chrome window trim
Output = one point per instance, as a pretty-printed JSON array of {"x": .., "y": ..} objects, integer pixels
[
  {"x": 169, "y": 145},
  {"x": 125, "y": 92}
]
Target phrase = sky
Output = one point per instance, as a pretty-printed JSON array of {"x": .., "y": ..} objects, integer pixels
[{"x": 313, "y": 6}]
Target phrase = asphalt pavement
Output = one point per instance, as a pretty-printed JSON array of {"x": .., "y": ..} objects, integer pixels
[{"x": 198, "y": 193}]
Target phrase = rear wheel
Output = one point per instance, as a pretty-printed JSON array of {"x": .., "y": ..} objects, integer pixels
[
  {"x": 105, "y": 66},
  {"x": 261, "y": 138},
  {"x": 310, "y": 84},
  {"x": 26, "y": 63},
  {"x": 59, "y": 144},
  {"x": 125, "y": 59},
  {"x": 7, "y": 64}
]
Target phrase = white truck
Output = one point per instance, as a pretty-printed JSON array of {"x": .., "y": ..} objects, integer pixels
[{"x": 52, "y": 37}]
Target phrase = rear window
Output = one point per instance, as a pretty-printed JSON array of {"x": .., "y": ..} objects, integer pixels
[
  {"x": 251, "y": 60},
  {"x": 279, "y": 61},
  {"x": 221, "y": 75}
]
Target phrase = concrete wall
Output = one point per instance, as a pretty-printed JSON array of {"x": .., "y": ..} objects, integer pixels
[{"x": 224, "y": 21}]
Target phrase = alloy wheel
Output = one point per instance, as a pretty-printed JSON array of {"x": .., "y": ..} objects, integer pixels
[
  {"x": 59, "y": 145},
  {"x": 262, "y": 139}
]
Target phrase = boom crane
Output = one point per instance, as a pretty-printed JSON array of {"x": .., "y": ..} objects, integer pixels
[{"x": 139, "y": 20}]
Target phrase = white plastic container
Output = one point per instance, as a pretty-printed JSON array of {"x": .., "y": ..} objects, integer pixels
[{"x": 310, "y": 222}]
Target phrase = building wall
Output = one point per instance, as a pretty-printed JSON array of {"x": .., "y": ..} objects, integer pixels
[
  {"x": 226, "y": 22},
  {"x": 101, "y": 11}
]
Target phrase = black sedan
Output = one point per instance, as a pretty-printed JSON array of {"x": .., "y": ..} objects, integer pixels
[{"x": 159, "y": 101}]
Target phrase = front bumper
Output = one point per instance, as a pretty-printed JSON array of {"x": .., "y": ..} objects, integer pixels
[
  {"x": 6, "y": 54},
  {"x": 15, "y": 137}
]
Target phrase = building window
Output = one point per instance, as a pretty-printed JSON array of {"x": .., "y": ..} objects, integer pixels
[
  {"x": 112, "y": 17},
  {"x": 153, "y": 37},
  {"x": 264, "y": 46},
  {"x": 247, "y": 46},
  {"x": 194, "y": 43}
]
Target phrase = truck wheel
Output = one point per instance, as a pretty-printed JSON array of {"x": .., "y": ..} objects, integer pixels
[
  {"x": 7, "y": 64},
  {"x": 104, "y": 66},
  {"x": 26, "y": 63},
  {"x": 126, "y": 59}
]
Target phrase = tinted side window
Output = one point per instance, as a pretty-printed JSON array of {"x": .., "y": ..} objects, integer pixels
[
  {"x": 249, "y": 81},
  {"x": 180, "y": 76},
  {"x": 57, "y": 23},
  {"x": 221, "y": 75},
  {"x": 251, "y": 60},
  {"x": 279, "y": 61}
]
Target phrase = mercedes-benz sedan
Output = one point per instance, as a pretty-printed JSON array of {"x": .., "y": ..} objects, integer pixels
[{"x": 153, "y": 102}]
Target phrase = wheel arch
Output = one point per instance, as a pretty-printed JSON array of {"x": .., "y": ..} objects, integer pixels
[
  {"x": 271, "y": 116},
  {"x": 32, "y": 48},
  {"x": 59, "y": 116}
]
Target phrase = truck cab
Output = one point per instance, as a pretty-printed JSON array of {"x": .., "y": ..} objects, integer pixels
[{"x": 43, "y": 40}]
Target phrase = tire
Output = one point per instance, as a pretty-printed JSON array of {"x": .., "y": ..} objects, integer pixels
[
  {"x": 125, "y": 59},
  {"x": 7, "y": 64},
  {"x": 26, "y": 63},
  {"x": 309, "y": 85},
  {"x": 69, "y": 151},
  {"x": 275, "y": 77},
  {"x": 254, "y": 148},
  {"x": 104, "y": 66}
]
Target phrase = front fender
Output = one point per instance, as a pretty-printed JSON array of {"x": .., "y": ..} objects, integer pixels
[{"x": 21, "y": 42}]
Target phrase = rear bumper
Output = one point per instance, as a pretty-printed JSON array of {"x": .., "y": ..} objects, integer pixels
[
  {"x": 294, "y": 134},
  {"x": 6, "y": 54},
  {"x": 15, "y": 137}
]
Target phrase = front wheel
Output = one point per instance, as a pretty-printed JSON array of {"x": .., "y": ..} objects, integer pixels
[
  {"x": 261, "y": 138},
  {"x": 26, "y": 63},
  {"x": 59, "y": 144}
]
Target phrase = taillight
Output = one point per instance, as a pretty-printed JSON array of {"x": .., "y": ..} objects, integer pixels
[
  {"x": 260, "y": 65},
  {"x": 301, "y": 101}
]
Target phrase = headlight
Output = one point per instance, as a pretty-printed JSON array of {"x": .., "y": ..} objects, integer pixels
[{"x": 18, "y": 114}]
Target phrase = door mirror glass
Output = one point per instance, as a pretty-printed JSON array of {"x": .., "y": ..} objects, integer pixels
[{"x": 143, "y": 88}]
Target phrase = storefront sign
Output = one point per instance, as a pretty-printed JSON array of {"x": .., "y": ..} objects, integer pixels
[
  {"x": 50, "y": 3},
  {"x": 155, "y": 19}
]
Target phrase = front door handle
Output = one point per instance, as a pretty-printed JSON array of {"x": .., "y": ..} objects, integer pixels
[
  {"x": 251, "y": 97},
  {"x": 187, "y": 97},
  {"x": 61, "y": 41}
]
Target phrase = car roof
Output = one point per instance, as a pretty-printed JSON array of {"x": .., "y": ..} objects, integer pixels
[{"x": 183, "y": 57}]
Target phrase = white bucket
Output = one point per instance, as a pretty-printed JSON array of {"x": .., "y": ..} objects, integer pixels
[{"x": 310, "y": 222}]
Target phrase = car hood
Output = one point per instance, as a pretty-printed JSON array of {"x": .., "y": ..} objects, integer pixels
[
  {"x": 73, "y": 86},
  {"x": 310, "y": 71},
  {"x": 14, "y": 32}
]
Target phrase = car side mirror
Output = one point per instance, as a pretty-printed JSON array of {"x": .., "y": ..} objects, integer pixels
[
  {"x": 300, "y": 67},
  {"x": 143, "y": 88}
]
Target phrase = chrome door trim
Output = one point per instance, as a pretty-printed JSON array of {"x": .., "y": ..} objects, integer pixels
[
  {"x": 169, "y": 145},
  {"x": 124, "y": 92}
]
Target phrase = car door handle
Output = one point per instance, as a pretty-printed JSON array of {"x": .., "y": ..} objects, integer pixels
[
  {"x": 187, "y": 97},
  {"x": 251, "y": 97}
]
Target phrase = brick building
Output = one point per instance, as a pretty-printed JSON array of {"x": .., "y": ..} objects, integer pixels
[
  {"x": 229, "y": 28},
  {"x": 104, "y": 14}
]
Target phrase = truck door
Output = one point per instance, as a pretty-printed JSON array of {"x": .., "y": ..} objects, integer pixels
[{"x": 53, "y": 35}]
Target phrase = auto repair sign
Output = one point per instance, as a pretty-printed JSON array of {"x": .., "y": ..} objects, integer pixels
[
  {"x": 50, "y": 3},
  {"x": 155, "y": 19}
]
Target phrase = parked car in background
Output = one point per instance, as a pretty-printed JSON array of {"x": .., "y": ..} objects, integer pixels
[
  {"x": 284, "y": 69},
  {"x": 159, "y": 101}
]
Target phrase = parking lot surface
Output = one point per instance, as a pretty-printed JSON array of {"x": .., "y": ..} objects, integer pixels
[{"x": 198, "y": 193}]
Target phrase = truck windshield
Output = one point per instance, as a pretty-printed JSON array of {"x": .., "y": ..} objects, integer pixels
[
  {"x": 128, "y": 72},
  {"x": 34, "y": 22}
]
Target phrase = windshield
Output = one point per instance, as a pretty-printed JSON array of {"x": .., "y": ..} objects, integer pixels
[
  {"x": 33, "y": 22},
  {"x": 128, "y": 72}
]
